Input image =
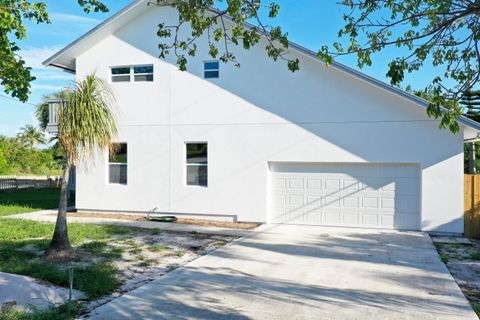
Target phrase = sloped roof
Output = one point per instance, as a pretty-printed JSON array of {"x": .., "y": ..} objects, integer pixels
[{"x": 65, "y": 58}]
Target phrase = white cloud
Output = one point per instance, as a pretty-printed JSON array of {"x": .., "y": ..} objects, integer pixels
[
  {"x": 34, "y": 56},
  {"x": 47, "y": 75},
  {"x": 70, "y": 18}
]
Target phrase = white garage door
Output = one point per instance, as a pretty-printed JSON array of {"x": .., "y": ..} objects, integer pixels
[{"x": 353, "y": 195}]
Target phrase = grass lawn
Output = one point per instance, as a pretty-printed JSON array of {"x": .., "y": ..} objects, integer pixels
[
  {"x": 28, "y": 200},
  {"x": 106, "y": 257},
  {"x": 21, "y": 241}
]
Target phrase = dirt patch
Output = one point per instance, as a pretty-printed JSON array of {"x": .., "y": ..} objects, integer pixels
[
  {"x": 197, "y": 222},
  {"x": 144, "y": 257},
  {"x": 462, "y": 258}
]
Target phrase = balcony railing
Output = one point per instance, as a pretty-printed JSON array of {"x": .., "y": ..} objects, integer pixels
[{"x": 53, "y": 107}]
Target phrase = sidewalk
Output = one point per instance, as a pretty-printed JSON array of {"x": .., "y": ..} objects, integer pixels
[
  {"x": 46, "y": 216},
  {"x": 26, "y": 291}
]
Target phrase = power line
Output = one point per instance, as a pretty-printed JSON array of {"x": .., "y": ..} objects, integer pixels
[{"x": 16, "y": 100}]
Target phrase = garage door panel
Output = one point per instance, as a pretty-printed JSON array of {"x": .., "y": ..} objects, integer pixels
[
  {"x": 350, "y": 202},
  {"x": 279, "y": 183},
  {"x": 359, "y": 195},
  {"x": 314, "y": 184},
  {"x": 350, "y": 218}
]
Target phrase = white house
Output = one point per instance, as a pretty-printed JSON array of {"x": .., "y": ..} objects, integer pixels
[{"x": 322, "y": 146}]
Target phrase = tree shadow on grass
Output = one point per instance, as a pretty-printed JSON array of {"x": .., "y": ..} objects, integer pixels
[{"x": 27, "y": 200}]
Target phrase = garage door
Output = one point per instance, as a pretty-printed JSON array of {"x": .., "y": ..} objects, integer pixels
[{"x": 352, "y": 195}]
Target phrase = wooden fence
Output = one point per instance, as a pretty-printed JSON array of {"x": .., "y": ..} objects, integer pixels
[
  {"x": 472, "y": 205},
  {"x": 14, "y": 182}
]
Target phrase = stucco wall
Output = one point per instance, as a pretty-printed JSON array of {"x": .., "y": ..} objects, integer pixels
[{"x": 250, "y": 116}]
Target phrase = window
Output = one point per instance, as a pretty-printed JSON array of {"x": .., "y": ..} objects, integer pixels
[
  {"x": 197, "y": 164},
  {"x": 143, "y": 73},
  {"x": 117, "y": 164},
  {"x": 137, "y": 73},
  {"x": 121, "y": 74},
  {"x": 211, "y": 69}
]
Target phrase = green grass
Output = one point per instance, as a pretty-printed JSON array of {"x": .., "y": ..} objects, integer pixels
[
  {"x": 444, "y": 258},
  {"x": 16, "y": 236},
  {"x": 157, "y": 248},
  {"x": 476, "y": 308},
  {"x": 28, "y": 200},
  {"x": 475, "y": 255},
  {"x": 63, "y": 312},
  {"x": 180, "y": 254}
]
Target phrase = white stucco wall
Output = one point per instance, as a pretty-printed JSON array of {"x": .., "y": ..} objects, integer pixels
[{"x": 249, "y": 117}]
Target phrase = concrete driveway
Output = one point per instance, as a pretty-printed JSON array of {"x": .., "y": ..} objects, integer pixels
[{"x": 293, "y": 272}]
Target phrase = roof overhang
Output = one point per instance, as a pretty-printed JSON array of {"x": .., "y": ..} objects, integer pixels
[{"x": 65, "y": 58}]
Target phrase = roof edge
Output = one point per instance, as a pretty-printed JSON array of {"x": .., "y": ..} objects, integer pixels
[
  {"x": 91, "y": 32},
  {"x": 307, "y": 52},
  {"x": 381, "y": 84}
]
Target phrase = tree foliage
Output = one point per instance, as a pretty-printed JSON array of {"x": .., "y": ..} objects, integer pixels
[
  {"x": 225, "y": 24},
  {"x": 470, "y": 100},
  {"x": 15, "y": 75},
  {"x": 19, "y": 157},
  {"x": 87, "y": 122},
  {"x": 32, "y": 136},
  {"x": 42, "y": 109},
  {"x": 86, "y": 126},
  {"x": 444, "y": 33}
]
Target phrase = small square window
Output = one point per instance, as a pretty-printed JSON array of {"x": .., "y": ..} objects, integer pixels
[
  {"x": 117, "y": 164},
  {"x": 197, "y": 164},
  {"x": 211, "y": 69}
]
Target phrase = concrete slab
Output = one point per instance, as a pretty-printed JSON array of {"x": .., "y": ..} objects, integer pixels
[
  {"x": 294, "y": 272},
  {"x": 26, "y": 292}
]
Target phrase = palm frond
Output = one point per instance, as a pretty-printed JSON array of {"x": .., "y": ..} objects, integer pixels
[{"x": 87, "y": 122}]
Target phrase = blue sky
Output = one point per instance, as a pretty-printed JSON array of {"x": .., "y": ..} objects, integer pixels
[{"x": 311, "y": 24}]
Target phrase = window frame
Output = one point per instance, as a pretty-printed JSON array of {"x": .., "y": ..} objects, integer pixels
[
  {"x": 185, "y": 155},
  {"x": 116, "y": 163},
  {"x": 132, "y": 73},
  {"x": 205, "y": 70},
  {"x": 112, "y": 76}
]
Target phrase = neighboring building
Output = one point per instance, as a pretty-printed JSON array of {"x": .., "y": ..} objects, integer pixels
[{"x": 322, "y": 146}]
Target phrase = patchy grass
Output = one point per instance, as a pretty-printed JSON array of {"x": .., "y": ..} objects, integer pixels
[
  {"x": 462, "y": 260},
  {"x": 106, "y": 257},
  {"x": 180, "y": 254},
  {"x": 63, "y": 312},
  {"x": 28, "y": 200},
  {"x": 157, "y": 248},
  {"x": 22, "y": 241},
  {"x": 476, "y": 308},
  {"x": 475, "y": 255}
]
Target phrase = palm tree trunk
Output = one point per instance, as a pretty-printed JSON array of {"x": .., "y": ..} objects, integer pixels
[{"x": 60, "y": 242}]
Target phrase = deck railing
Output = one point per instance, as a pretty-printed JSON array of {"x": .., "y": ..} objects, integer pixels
[{"x": 53, "y": 107}]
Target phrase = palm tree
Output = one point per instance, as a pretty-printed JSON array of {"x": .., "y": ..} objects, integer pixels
[
  {"x": 31, "y": 136},
  {"x": 86, "y": 125},
  {"x": 42, "y": 108}
]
